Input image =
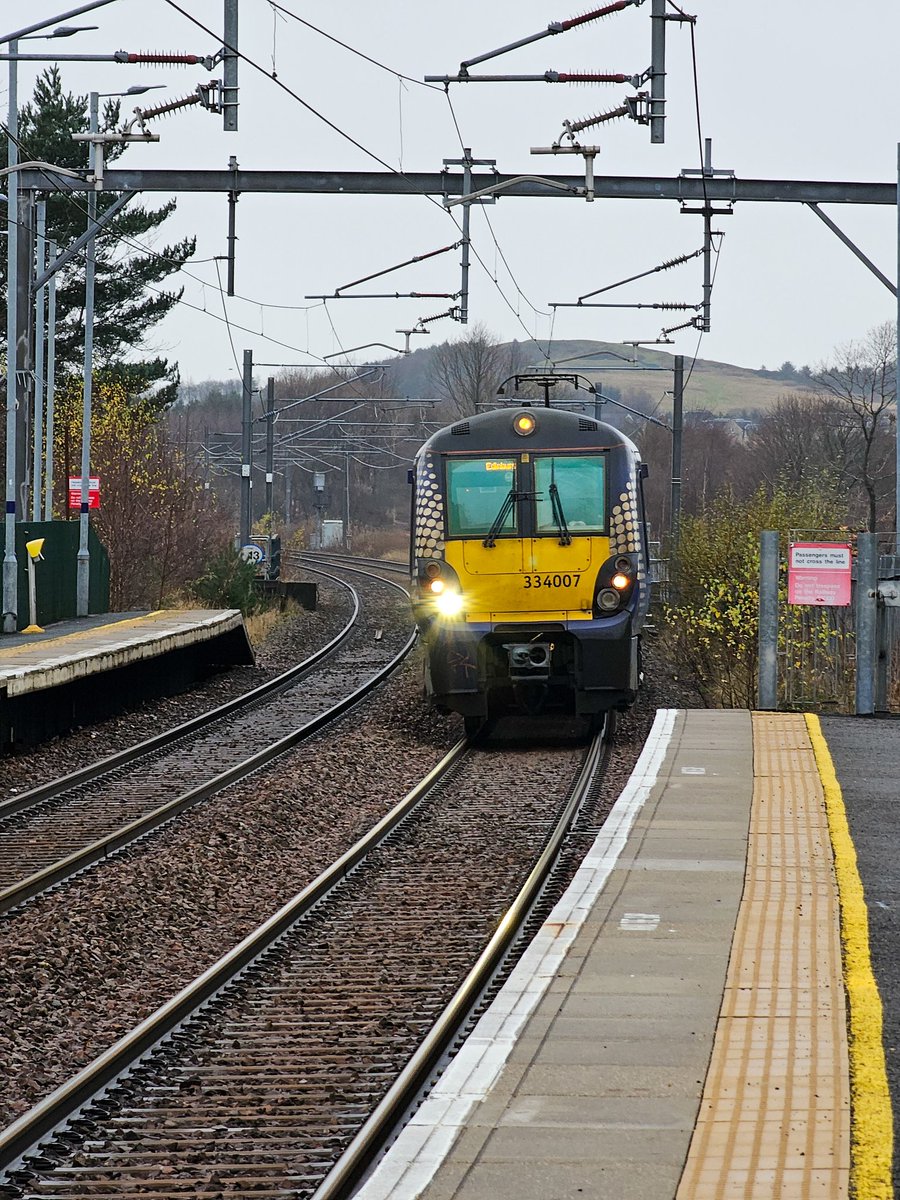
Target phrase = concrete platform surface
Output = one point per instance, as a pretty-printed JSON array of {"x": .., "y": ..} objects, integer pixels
[
  {"x": 73, "y": 650},
  {"x": 677, "y": 1030}
]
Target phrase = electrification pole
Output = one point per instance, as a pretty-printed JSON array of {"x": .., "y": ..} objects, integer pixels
[
  {"x": 39, "y": 380},
  {"x": 246, "y": 447},
  {"x": 51, "y": 386},
  {"x": 230, "y": 68},
  {"x": 270, "y": 443},
  {"x": 677, "y": 426},
  {"x": 83, "y": 567},
  {"x": 10, "y": 573},
  {"x": 658, "y": 71}
]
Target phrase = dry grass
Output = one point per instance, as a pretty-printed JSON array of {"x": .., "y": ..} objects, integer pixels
[
  {"x": 720, "y": 388},
  {"x": 260, "y": 625},
  {"x": 381, "y": 543}
]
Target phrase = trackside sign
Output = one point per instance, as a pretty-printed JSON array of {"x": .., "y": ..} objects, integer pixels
[
  {"x": 75, "y": 491},
  {"x": 819, "y": 573}
]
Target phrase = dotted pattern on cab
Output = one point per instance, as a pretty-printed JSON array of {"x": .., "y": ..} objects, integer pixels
[
  {"x": 429, "y": 510},
  {"x": 624, "y": 525}
]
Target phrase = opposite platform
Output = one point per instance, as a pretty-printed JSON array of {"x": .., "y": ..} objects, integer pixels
[
  {"x": 75, "y": 672},
  {"x": 677, "y": 1028}
]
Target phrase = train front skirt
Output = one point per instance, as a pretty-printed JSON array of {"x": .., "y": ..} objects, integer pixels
[{"x": 584, "y": 667}]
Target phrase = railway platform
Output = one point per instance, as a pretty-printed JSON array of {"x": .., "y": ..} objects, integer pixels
[
  {"x": 698, "y": 1019},
  {"x": 82, "y": 670}
]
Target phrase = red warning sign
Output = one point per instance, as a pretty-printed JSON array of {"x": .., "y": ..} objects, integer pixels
[
  {"x": 819, "y": 573},
  {"x": 93, "y": 491}
]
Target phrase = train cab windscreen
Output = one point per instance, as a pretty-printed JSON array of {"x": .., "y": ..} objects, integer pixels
[
  {"x": 572, "y": 488},
  {"x": 477, "y": 491}
]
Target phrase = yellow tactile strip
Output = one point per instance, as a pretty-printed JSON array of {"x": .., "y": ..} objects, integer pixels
[{"x": 774, "y": 1119}]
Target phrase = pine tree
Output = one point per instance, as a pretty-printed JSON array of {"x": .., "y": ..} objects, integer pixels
[{"x": 129, "y": 300}]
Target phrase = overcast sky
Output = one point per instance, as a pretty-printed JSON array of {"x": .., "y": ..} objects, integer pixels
[{"x": 799, "y": 90}]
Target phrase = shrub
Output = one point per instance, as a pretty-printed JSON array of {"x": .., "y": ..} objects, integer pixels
[
  {"x": 712, "y": 619},
  {"x": 228, "y": 582}
]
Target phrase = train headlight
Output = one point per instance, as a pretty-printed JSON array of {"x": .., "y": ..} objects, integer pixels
[
  {"x": 524, "y": 424},
  {"x": 449, "y": 604},
  {"x": 620, "y": 581},
  {"x": 608, "y": 599},
  {"x": 437, "y": 586}
]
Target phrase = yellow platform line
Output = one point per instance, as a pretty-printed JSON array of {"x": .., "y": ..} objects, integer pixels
[
  {"x": 774, "y": 1119},
  {"x": 871, "y": 1116},
  {"x": 82, "y": 634}
]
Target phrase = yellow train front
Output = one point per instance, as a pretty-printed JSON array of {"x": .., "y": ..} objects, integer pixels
[{"x": 529, "y": 564}]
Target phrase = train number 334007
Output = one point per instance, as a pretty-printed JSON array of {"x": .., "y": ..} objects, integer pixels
[{"x": 550, "y": 581}]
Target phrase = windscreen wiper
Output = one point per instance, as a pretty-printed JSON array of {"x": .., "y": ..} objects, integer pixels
[
  {"x": 499, "y": 521},
  {"x": 565, "y": 538}
]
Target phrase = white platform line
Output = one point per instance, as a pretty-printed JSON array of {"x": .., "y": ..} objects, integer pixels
[{"x": 412, "y": 1161}]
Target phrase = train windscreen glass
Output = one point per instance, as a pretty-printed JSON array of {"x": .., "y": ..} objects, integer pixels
[
  {"x": 580, "y": 486},
  {"x": 477, "y": 491}
]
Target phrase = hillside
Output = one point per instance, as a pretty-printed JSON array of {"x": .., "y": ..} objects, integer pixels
[{"x": 718, "y": 387}]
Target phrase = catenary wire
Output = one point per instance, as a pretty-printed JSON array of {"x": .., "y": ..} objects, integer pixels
[
  {"x": 131, "y": 240},
  {"x": 237, "y": 365},
  {"x": 305, "y": 104},
  {"x": 374, "y": 61},
  {"x": 146, "y": 249},
  {"x": 353, "y": 141}
]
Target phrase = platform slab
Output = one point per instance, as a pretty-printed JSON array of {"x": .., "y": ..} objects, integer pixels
[{"x": 691, "y": 1041}]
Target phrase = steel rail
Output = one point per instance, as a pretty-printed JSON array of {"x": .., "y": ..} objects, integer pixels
[
  {"x": 160, "y": 741},
  {"x": 350, "y": 1167},
  {"x": 87, "y": 856},
  {"x": 335, "y": 558},
  {"x": 25, "y": 1134}
]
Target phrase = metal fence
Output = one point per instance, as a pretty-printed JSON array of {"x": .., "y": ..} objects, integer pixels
[{"x": 817, "y": 645}]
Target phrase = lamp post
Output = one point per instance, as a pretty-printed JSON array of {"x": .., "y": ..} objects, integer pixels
[
  {"x": 51, "y": 386},
  {"x": 10, "y": 573},
  {"x": 82, "y": 576},
  {"x": 10, "y": 581},
  {"x": 39, "y": 378}
]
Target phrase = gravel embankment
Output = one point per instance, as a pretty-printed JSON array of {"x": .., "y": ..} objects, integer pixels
[
  {"x": 297, "y": 635},
  {"x": 80, "y": 967}
]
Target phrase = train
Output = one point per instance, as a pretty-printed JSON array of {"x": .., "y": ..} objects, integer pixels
[{"x": 529, "y": 565}]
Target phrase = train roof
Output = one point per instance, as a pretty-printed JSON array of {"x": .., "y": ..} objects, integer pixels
[{"x": 554, "y": 427}]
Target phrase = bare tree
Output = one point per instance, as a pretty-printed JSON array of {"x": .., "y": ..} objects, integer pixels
[
  {"x": 466, "y": 373},
  {"x": 799, "y": 440},
  {"x": 862, "y": 386},
  {"x": 712, "y": 458}
]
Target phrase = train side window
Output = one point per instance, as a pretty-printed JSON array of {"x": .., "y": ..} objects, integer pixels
[
  {"x": 581, "y": 489},
  {"x": 476, "y": 491}
]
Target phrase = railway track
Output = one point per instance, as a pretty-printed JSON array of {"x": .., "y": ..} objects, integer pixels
[
  {"x": 387, "y": 567},
  {"x": 280, "y": 1070},
  {"x": 59, "y": 829}
]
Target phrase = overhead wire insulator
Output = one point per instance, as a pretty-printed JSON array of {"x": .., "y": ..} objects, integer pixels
[
  {"x": 451, "y": 312},
  {"x": 158, "y": 57},
  {"x": 553, "y": 28},
  {"x": 572, "y": 127},
  {"x": 596, "y": 14},
  {"x": 693, "y": 323},
  {"x": 593, "y": 77},
  {"x": 664, "y": 266},
  {"x": 160, "y": 110}
]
